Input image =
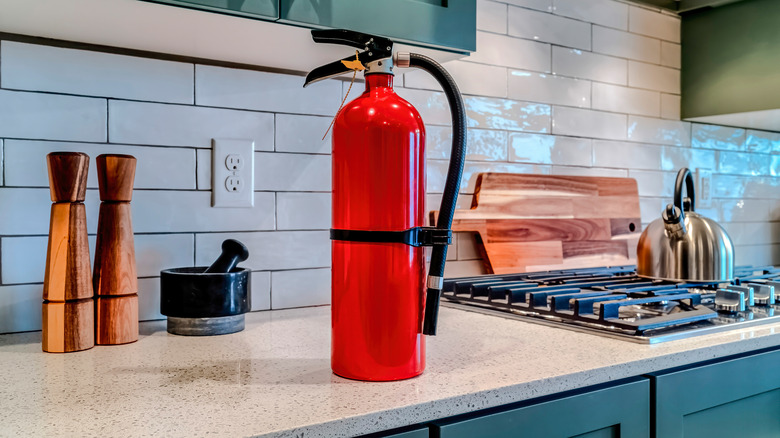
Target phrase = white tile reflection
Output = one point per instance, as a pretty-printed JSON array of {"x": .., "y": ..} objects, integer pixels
[
  {"x": 717, "y": 137},
  {"x": 762, "y": 141},
  {"x": 483, "y": 144},
  {"x": 437, "y": 173},
  {"x": 485, "y": 112},
  {"x": 650, "y": 130},
  {"x": 550, "y": 149}
]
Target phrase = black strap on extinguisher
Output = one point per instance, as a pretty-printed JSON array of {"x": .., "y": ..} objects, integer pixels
[{"x": 417, "y": 236}]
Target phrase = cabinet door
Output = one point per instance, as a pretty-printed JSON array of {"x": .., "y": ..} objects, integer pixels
[
  {"x": 615, "y": 411},
  {"x": 264, "y": 9},
  {"x": 733, "y": 398},
  {"x": 448, "y": 24}
]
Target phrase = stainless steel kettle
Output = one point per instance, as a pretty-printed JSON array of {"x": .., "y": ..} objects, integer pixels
[{"x": 682, "y": 245}]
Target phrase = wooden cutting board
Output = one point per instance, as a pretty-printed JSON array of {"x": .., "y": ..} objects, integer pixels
[{"x": 529, "y": 223}]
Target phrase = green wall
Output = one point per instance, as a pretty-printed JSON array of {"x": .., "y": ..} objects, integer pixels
[{"x": 731, "y": 59}]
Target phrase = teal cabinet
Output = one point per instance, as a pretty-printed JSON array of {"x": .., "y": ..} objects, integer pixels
[
  {"x": 262, "y": 9},
  {"x": 621, "y": 410},
  {"x": 444, "y": 24},
  {"x": 733, "y": 398}
]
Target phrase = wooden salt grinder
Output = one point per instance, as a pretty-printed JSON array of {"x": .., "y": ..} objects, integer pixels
[
  {"x": 68, "y": 308},
  {"x": 115, "y": 280}
]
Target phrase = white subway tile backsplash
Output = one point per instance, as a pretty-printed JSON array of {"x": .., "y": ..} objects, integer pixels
[
  {"x": 476, "y": 79},
  {"x": 603, "y": 12},
  {"x": 653, "y": 77},
  {"x": 550, "y": 149},
  {"x": 437, "y": 173},
  {"x": 491, "y": 16},
  {"x": 651, "y": 208},
  {"x": 262, "y": 91},
  {"x": 626, "y": 45},
  {"x": 587, "y": 65},
  {"x": 52, "y": 117},
  {"x": 615, "y": 98},
  {"x": 589, "y": 171},
  {"x": 292, "y": 172},
  {"x": 60, "y": 70},
  {"x": 675, "y": 158},
  {"x": 261, "y": 291},
  {"x": 650, "y": 130},
  {"x": 751, "y": 233},
  {"x": 670, "y": 106},
  {"x": 654, "y": 183},
  {"x": 156, "y": 168},
  {"x": 307, "y": 287},
  {"x": 303, "y": 211},
  {"x": 20, "y": 308},
  {"x": 270, "y": 250},
  {"x": 547, "y": 88},
  {"x": 762, "y": 142},
  {"x": 431, "y": 105},
  {"x": 149, "y": 299},
  {"x": 740, "y": 163},
  {"x": 744, "y": 210},
  {"x": 302, "y": 134},
  {"x": 626, "y": 155},
  {"x": 511, "y": 115},
  {"x": 717, "y": 137},
  {"x": 507, "y": 51},
  {"x": 163, "y": 211},
  {"x": 540, "y": 5},
  {"x": 671, "y": 54},
  {"x": 25, "y": 211},
  {"x": 586, "y": 123},
  {"x": 203, "y": 173},
  {"x": 621, "y": 132},
  {"x": 483, "y": 144},
  {"x": 654, "y": 24},
  {"x": 25, "y": 257},
  {"x": 179, "y": 125},
  {"x": 548, "y": 28}
]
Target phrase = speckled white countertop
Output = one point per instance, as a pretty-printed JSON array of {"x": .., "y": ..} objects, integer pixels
[{"x": 274, "y": 377}]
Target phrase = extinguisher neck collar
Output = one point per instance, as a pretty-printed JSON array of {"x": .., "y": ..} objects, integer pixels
[{"x": 379, "y": 80}]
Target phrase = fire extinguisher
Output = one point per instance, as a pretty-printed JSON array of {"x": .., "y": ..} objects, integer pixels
[{"x": 382, "y": 302}]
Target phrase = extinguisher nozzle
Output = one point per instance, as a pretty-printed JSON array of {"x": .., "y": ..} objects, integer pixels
[{"x": 431, "y": 311}]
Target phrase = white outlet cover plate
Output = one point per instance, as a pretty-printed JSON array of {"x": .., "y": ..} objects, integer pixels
[
  {"x": 703, "y": 188},
  {"x": 244, "y": 195}
]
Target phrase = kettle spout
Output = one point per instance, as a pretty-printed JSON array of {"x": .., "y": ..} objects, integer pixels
[{"x": 674, "y": 221}]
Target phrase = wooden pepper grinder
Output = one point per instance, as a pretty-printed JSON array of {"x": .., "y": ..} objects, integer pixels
[
  {"x": 68, "y": 308},
  {"x": 115, "y": 279}
]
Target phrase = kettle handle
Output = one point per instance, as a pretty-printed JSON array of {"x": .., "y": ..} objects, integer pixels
[{"x": 684, "y": 176}]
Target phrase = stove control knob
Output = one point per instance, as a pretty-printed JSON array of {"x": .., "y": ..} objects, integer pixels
[
  {"x": 776, "y": 285},
  {"x": 729, "y": 301},
  {"x": 764, "y": 294},
  {"x": 747, "y": 291}
]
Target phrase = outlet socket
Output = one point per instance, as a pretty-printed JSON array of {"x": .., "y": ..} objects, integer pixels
[
  {"x": 232, "y": 173},
  {"x": 703, "y": 188}
]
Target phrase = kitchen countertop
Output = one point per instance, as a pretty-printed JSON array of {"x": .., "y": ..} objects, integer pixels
[{"x": 274, "y": 377}]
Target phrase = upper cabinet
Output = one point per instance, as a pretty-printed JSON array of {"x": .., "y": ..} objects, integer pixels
[
  {"x": 263, "y": 9},
  {"x": 731, "y": 64},
  {"x": 443, "y": 24},
  {"x": 438, "y": 24}
]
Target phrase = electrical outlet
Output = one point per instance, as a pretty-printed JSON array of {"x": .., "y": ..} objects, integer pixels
[
  {"x": 703, "y": 188},
  {"x": 232, "y": 173}
]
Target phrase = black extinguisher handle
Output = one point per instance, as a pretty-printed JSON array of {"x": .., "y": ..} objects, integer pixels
[{"x": 451, "y": 186}]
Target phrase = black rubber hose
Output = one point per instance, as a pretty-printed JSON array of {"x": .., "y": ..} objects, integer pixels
[{"x": 452, "y": 185}]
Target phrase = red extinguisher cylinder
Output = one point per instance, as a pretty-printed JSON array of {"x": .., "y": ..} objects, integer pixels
[{"x": 378, "y": 185}]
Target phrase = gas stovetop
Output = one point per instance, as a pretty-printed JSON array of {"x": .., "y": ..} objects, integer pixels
[{"x": 614, "y": 301}]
